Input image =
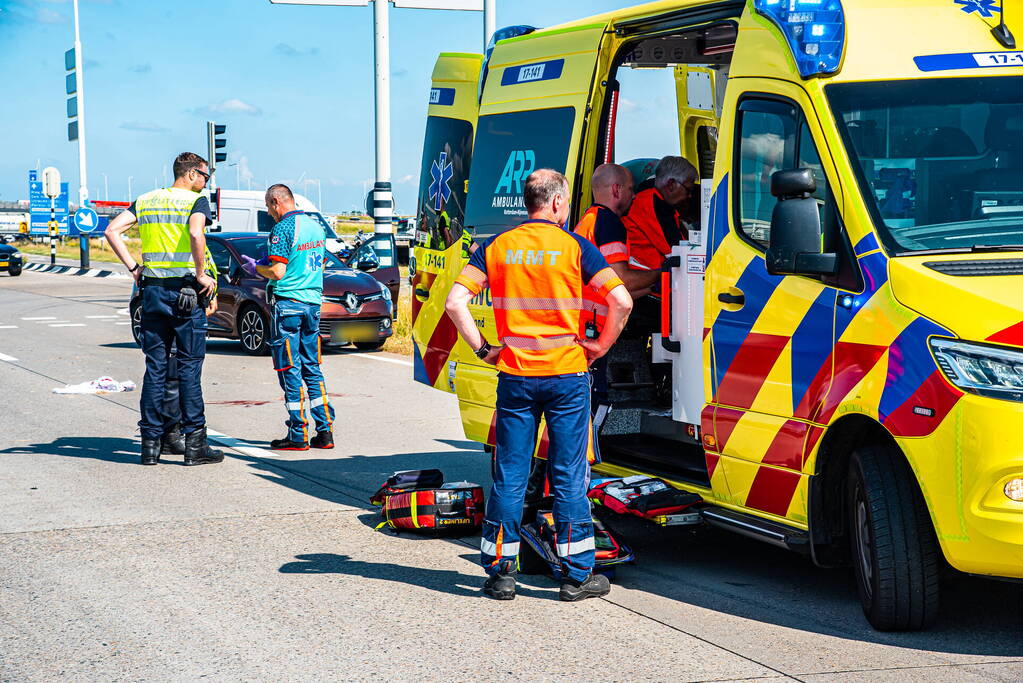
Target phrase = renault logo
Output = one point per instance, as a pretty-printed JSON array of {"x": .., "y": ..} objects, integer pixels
[{"x": 351, "y": 301}]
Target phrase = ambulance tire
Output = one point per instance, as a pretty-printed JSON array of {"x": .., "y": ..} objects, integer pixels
[{"x": 896, "y": 557}]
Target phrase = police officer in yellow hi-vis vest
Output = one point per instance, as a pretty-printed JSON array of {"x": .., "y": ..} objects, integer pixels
[{"x": 175, "y": 292}]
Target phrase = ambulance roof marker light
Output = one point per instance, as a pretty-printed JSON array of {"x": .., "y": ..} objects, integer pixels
[{"x": 814, "y": 29}]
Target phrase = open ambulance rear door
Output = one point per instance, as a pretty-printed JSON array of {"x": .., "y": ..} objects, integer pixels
[
  {"x": 534, "y": 114},
  {"x": 440, "y": 250}
]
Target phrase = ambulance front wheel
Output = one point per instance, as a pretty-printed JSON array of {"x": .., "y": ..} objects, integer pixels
[{"x": 896, "y": 556}]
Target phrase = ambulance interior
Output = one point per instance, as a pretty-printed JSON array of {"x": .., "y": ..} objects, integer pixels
[{"x": 665, "y": 98}]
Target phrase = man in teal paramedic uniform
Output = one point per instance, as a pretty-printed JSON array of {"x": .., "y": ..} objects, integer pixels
[{"x": 296, "y": 255}]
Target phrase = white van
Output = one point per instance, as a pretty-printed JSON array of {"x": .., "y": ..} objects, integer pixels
[{"x": 245, "y": 211}]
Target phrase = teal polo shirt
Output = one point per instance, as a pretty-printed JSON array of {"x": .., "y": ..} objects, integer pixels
[{"x": 298, "y": 241}]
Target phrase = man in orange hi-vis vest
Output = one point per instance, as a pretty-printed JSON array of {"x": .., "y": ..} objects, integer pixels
[
  {"x": 612, "y": 188},
  {"x": 537, "y": 273},
  {"x": 653, "y": 222}
]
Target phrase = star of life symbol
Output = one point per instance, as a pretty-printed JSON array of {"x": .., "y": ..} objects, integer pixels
[
  {"x": 441, "y": 172},
  {"x": 986, "y": 8}
]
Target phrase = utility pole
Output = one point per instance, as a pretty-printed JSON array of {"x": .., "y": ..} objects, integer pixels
[{"x": 83, "y": 179}]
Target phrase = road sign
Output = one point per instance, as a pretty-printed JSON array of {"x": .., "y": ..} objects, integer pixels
[
  {"x": 39, "y": 206},
  {"x": 86, "y": 220}
]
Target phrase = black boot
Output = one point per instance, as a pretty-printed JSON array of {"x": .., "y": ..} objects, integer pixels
[
  {"x": 150, "y": 451},
  {"x": 173, "y": 443},
  {"x": 593, "y": 586},
  {"x": 198, "y": 451},
  {"x": 322, "y": 440},
  {"x": 501, "y": 585}
]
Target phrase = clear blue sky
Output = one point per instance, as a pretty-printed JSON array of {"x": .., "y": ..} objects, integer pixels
[{"x": 294, "y": 84}]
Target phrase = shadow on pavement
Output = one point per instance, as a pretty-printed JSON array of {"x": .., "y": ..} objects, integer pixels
[
  {"x": 730, "y": 574},
  {"x": 110, "y": 449},
  {"x": 441, "y": 580}
]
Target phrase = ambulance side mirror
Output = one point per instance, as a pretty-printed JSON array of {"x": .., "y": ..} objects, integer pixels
[{"x": 796, "y": 245}]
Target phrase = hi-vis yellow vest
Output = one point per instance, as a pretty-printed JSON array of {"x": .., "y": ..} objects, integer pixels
[{"x": 163, "y": 224}]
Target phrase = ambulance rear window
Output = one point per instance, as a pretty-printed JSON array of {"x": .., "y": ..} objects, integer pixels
[
  {"x": 447, "y": 154},
  {"x": 508, "y": 148}
]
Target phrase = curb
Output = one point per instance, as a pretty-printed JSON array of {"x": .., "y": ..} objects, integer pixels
[{"x": 71, "y": 270}]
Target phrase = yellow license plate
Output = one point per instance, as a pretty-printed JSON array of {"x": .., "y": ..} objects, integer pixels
[{"x": 353, "y": 332}]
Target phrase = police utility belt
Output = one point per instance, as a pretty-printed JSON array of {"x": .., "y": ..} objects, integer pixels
[{"x": 190, "y": 295}]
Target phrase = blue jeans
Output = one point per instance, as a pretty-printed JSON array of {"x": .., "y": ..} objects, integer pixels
[
  {"x": 295, "y": 347},
  {"x": 564, "y": 400},
  {"x": 163, "y": 330}
]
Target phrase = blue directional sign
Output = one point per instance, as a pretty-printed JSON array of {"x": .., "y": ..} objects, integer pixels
[
  {"x": 39, "y": 207},
  {"x": 86, "y": 220}
]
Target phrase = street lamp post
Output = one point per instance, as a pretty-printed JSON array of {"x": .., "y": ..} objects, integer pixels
[
  {"x": 129, "y": 187},
  {"x": 106, "y": 188}
]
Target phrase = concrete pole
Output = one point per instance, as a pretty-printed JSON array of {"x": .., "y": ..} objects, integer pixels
[
  {"x": 489, "y": 21},
  {"x": 383, "y": 201}
]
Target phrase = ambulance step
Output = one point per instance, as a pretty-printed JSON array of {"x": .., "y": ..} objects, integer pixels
[
  {"x": 758, "y": 528},
  {"x": 656, "y": 457}
]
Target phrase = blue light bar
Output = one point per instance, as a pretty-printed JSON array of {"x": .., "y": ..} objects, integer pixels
[{"x": 814, "y": 29}]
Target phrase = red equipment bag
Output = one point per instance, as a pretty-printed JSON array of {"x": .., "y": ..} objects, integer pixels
[
  {"x": 645, "y": 497},
  {"x": 408, "y": 480},
  {"x": 452, "y": 507}
]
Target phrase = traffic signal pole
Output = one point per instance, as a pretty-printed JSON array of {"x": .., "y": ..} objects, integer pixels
[{"x": 83, "y": 179}]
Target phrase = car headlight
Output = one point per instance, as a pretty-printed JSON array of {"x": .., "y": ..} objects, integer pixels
[
  {"x": 16, "y": 254},
  {"x": 993, "y": 371},
  {"x": 386, "y": 293}
]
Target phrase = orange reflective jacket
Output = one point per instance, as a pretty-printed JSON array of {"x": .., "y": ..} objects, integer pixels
[
  {"x": 537, "y": 273},
  {"x": 651, "y": 222},
  {"x": 604, "y": 229}
]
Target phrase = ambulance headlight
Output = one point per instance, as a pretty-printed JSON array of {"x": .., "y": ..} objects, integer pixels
[
  {"x": 993, "y": 371},
  {"x": 1014, "y": 490},
  {"x": 814, "y": 29}
]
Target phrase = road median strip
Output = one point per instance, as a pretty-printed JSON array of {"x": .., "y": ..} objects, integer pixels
[{"x": 72, "y": 270}]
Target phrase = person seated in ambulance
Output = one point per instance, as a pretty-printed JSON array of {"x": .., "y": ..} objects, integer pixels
[
  {"x": 612, "y": 188},
  {"x": 654, "y": 224}
]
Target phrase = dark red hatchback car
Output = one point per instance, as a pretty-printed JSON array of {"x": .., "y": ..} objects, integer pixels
[{"x": 357, "y": 309}]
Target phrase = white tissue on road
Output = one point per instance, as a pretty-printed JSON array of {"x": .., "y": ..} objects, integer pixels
[{"x": 103, "y": 385}]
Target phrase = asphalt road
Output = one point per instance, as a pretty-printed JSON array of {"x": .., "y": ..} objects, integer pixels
[{"x": 268, "y": 566}]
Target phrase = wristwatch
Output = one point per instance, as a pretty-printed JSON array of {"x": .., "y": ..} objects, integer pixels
[
  {"x": 137, "y": 266},
  {"x": 484, "y": 351}
]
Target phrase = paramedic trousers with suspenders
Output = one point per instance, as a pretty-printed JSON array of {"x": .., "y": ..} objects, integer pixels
[{"x": 564, "y": 400}]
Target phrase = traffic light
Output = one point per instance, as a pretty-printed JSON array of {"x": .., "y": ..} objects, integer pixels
[{"x": 214, "y": 131}]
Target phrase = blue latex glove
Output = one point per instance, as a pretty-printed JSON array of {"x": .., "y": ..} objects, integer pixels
[{"x": 249, "y": 265}]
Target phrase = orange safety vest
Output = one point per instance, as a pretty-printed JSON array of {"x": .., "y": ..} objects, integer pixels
[
  {"x": 647, "y": 242},
  {"x": 615, "y": 251},
  {"x": 537, "y": 273}
]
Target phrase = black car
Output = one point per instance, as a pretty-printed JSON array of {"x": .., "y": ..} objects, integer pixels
[{"x": 11, "y": 259}]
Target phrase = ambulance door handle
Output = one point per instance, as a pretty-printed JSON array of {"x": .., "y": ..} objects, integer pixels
[{"x": 735, "y": 299}]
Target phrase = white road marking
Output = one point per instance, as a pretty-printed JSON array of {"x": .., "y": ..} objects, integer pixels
[
  {"x": 41, "y": 318},
  {"x": 69, "y": 325},
  {"x": 384, "y": 359},
  {"x": 50, "y": 321},
  {"x": 243, "y": 447},
  {"x": 9, "y": 359},
  {"x": 8, "y": 327},
  {"x": 124, "y": 311},
  {"x": 100, "y": 317},
  {"x": 122, "y": 323}
]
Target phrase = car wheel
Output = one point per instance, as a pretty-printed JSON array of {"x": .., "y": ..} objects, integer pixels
[
  {"x": 369, "y": 346},
  {"x": 895, "y": 552},
  {"x": 135, "y": 309},
  {"x": 253, "y": 331},
  {"x": 15, "y": 271}
]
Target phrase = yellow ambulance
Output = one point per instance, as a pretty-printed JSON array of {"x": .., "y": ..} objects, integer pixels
[{"x": 839, "y": 365}]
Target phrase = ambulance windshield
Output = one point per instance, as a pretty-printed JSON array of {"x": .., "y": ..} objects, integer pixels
[{"x": 939, "y": 161}]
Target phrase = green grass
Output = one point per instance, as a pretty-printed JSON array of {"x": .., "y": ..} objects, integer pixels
[{"x": 99, "y": 250}]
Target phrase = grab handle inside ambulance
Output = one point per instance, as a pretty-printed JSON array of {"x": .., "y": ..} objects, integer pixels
[{"x": 666, "y": 342}]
